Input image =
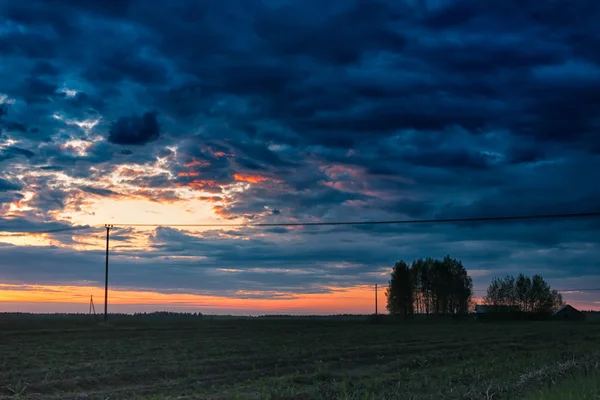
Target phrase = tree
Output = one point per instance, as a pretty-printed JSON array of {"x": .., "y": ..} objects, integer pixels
[
  {"x": 430, "y": 286},
  {"x": 532, "y": 295},
  {"x": 400, "y": 290},
  {"x": 502, "y": 292},
  {"x": 523, "y": 289},
  {"x": 458, "y": 290}
]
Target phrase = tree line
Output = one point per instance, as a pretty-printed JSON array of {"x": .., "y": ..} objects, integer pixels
[{"x": 443, "y": 287}]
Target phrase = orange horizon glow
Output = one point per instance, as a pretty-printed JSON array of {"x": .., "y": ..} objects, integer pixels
[
  {"x": 351, "y": 300},
  {"x": 355, "y": 300}
]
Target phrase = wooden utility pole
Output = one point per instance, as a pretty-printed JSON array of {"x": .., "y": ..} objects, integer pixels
[{"x": 108, "y": 228}]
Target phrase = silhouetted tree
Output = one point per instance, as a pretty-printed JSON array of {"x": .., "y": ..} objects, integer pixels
[
  {"x": 501, "y": 292},
  {"x": 436, "y": 287},
  {"x": 532, "y": 295},
  {"x": 523, "y": 292},
  {"x": 457, "y": 286},
  {"x": 400, "y": 291}
]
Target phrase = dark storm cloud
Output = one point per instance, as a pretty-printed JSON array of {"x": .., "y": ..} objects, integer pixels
[
  {"x": 51, "y": 168},
  {"x": 249, "y": 164},
  {"x": 259, "y": 152},
  {"x": 36, "y": 90},
  {"x": 15, "y": 126},
  {"x": 6, "y": 186},
  {"x": 77, "y": 165},
  {"x": 14, "y": 151},
  {"x": 153, "y": 182},
  {"x": 28, "y": 225},
  {"x": 48, "y": 199},
  {"x": 99, "y": 191},
  {"x": 83, "y": 104},
  {"x": 338, "y": 111},
  {"x": 135, "y": 130},
  {"x": 44, "y": 68},
  {"x": 291, "y": 30},
  {"x": 450, "y": 159},
  {"x": 350, "y": 36},
  {"x": 526, "y": 154},
  {"x": 125, "y": 65}
]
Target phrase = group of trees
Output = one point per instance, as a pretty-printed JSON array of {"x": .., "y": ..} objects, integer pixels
[
  {"x": 531, "y": 295},
  {"x": 429, "y": 286}
]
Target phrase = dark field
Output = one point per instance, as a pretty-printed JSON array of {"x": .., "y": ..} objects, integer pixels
[{"x": 301, "y": 359}]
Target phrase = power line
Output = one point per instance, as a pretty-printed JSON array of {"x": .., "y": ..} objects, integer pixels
[
  {"x": 331, "y": 223},
  {"x": 386, "y": 222},
  {"x": 56, "y": 230},
  {"x": 559, "y": 290}
]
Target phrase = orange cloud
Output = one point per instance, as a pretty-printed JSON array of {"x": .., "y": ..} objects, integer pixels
[
  {"x": 249, "y": 178},
  {"x": 200, "y": 184},
  {"x": 192, "y": 173},
  {"x": 356, "y": 203},
  {"x": 197, "y": 163},
  {"x": 221, "y": 211},
  {"x": 215, "y": 153},
  {"x": 211, "y": 199},
  {"x": 337, "y": 171},
  {"x": 129, "y": 172}
]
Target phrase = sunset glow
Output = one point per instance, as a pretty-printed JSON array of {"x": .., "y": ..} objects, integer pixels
[{"x": 339, "y": 301}]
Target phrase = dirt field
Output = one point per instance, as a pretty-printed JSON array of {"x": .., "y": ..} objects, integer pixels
[{"x": 301, "y": 359}]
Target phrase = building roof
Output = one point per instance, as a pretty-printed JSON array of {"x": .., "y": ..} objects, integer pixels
[
  {"x": 565, "y": 307},
  {"x": 486, "y": 308}
]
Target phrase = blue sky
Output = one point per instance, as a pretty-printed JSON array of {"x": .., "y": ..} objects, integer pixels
[{"x": 285, "y": 111}]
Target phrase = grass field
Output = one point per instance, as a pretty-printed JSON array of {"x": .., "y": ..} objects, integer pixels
[{"x": 302, "y": 359}]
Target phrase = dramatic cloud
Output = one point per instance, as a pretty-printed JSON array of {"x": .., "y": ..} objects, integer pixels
[
  {"x": 135, "y": 130},
  {"x": 278, "y": 111},
  {"x": 6, "y": 186}
]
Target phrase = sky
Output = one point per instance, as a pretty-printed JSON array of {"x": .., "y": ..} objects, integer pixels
[{"x": 276, "y": 111}]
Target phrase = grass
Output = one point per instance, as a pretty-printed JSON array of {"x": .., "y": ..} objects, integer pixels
[
  {"x": 579, "y": 388},
  {"x": 299, "y": 359}
]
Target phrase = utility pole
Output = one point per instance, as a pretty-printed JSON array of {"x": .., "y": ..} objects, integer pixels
[
  {"x": 376, "y": 308},
  {"x": 108, "y": 228},
  {"x": 92, "y": 307}
]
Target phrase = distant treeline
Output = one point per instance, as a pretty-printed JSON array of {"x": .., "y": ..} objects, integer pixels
[
  {"x": 526, "y": 294},
  {"x": 443, "y": 287}
]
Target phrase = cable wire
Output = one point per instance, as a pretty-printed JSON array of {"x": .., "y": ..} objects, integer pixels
[
  {"x": 331, "y": 223},
  {"x": 558, "y": 290},
  {"x": 56, "y": 230}
]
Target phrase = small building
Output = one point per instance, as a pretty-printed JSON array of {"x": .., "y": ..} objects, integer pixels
[
  {"x": 487, "y": 309},
  {"x": 484, "y": 311},
  {"x": 568, "y": 313}
]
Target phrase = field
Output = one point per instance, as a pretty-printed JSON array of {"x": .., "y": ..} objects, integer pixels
[{"x": 300, "y": 359}]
